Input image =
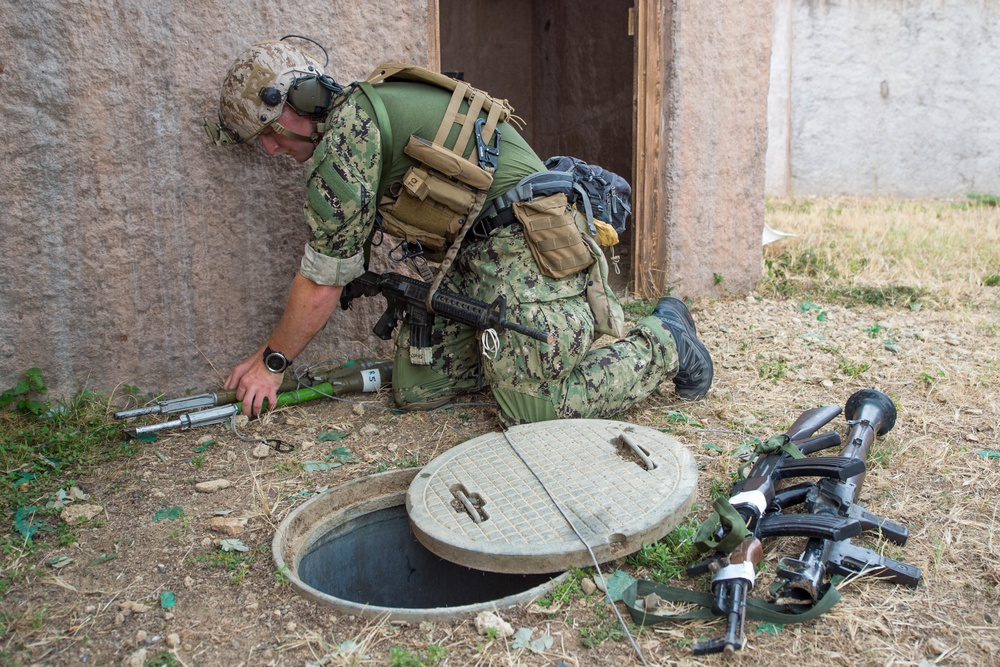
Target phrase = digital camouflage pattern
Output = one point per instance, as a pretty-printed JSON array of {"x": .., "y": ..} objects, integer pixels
[
  {"x": 276, "y": 64},
  {"x": 342, "y": 183},
  {"x": 531, "y": 380}
]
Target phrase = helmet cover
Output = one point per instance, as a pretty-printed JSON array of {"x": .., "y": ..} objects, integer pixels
[{"x": 246, "y": 108}]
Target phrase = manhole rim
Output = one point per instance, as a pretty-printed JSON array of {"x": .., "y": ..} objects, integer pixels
[{"x": 400, "y": 481}]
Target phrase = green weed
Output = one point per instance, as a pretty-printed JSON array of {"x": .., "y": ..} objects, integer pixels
[
  {"x": 564, "y": 591},
  {"x": 42, "y": 445},
  {"x": 403, "y": 463},
  {"x": 851, "y": 368},
  {"x": 428, "y": 657},
  {"x": 668, "y": 558},
  {"x": 636, "y": 309},
  {"x": 773, "y": 370}
]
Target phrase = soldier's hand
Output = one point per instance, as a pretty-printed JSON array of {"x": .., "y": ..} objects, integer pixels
[{"x": 254, "y": 384}]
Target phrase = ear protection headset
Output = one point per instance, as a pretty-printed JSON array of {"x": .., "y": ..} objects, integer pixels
[{"x": 311, "y": 94}]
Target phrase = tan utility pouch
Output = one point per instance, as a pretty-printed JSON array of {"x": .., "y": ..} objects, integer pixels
[
  {"x": 448, "y": 163},
  {"x": 435, "y": 198},
  {"x": 553, "y": 236}
]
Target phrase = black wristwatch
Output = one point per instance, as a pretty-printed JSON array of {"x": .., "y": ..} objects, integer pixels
[{"x": 275, "y": 362}]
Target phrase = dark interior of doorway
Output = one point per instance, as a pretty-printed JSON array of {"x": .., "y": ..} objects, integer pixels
[{"x": 566, "y": 66}]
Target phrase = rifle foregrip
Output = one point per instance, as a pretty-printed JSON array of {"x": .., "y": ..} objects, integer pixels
[{"x": 821, "y": 526}]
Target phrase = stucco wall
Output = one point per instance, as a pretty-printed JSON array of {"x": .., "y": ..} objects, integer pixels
[
  {"x": 715, "y": 115},
  {"x": 889, "y": 98},
  {"x": 134, "y": 251}
]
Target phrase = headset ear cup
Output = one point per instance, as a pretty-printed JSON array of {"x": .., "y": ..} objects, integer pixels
[{"x": 310, "y": 95}]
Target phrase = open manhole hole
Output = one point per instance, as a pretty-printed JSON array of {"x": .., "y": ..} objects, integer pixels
[
  {"x": 351, "y": 547},
  {"x": 493, "y": 522}
]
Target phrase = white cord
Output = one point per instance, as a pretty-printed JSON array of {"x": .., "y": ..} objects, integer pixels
[
  {"x": 491, "y": 344},
  {"x": 597, "y": 566}
]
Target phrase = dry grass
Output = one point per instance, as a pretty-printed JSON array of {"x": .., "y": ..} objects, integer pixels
[{"x": 870, "y": 293}]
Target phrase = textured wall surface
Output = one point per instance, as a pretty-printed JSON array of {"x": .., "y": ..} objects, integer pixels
[
  {"x": 716, "y": 125},
  {"x": 885, "y": 98},
  {"x": 134, "y": 251}
]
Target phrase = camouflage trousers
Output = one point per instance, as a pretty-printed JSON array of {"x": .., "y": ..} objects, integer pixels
[{"x": 532, "y": 380}]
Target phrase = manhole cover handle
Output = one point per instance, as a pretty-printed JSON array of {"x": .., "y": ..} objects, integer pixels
[
  {"x": 470, "y": 503},
  {"x": 626, "y": 440}
]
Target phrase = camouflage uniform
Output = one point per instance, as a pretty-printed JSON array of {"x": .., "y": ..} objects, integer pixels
[{"x": 531, "y": 380}]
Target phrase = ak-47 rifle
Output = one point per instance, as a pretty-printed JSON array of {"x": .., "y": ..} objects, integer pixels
[
  {"x": 751, "y": 513},
  {"x": 365, "y": 376},
  {"x": 870, "y": 413},
  {"x": 406, "y": 300}
]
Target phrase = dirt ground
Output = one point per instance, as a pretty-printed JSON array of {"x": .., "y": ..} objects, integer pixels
[{"x": 934, "y": 473}]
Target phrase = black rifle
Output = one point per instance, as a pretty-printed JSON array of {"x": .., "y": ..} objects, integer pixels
[
  {"x": 869, "y": 413},
  {"x": 756, "y": 501},
  {"x": 406, "y": 298}
]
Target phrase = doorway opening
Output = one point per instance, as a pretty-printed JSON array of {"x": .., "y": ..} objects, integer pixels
[{"x": 567, "y": 67}]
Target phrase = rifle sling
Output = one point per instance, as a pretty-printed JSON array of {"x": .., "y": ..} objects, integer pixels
[{"x": 757, "y": 610}]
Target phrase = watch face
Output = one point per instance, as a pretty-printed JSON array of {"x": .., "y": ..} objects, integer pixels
[{"x": 276, "y": 362}]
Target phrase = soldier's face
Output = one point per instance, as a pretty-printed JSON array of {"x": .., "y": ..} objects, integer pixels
[{"x": 299, "y": 150}]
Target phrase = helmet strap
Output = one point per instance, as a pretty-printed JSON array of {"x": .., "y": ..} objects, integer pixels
[{"x": 279, "y": 129}]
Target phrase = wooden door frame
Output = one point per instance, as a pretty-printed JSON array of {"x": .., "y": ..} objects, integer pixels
[{"x": 649, "y": 203}]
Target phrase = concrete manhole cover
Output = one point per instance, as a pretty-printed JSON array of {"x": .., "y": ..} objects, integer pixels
[{"x": 493, "y": 503}]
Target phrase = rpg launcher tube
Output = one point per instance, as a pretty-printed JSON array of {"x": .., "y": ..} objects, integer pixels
[
  {"x": 196, "y": 402},
  {"x": 367, "y": 380}
]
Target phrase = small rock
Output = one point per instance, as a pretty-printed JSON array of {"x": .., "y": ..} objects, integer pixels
[
  {"x": 290, "y": 626},
  {"x": 140, "y": 636},
  {"x": 827, "y": 383},
  {"x": 652, "y": 602},
  {"x": 134, "y": 607},
  {"x": 168, "y": 616},
  {"x": 358, "y": 409},
  {"x": 369, "y": 430},
  {"x": 426, "y": 627},
  {"x": 488, "y": 619},
  {"x": 206, "y": 542},
  {"x": 173, "y": 640},
  {"x": 188, "y": 582},
  {"x": 137, "y": 659},
  {"x": 80, "y": 512},
  {"x": 119, "y": 618},
  {"x": 230, "y": 456},
  {"x": 261, "y": 451},
  {"x": 212, "y": 486},
  {"x": 588, "y": 585},
  {"x": 601, "y": 584},
  {"x": 892, "y": 348},
  {"x": 227, "y": 525}
]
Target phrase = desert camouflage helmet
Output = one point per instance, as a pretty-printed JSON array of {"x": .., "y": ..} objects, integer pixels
[{"x": 256, "y": 88}]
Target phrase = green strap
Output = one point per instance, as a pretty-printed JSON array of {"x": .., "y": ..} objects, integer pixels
[
  {"x": 757, "y": 610},
  {"x": 724, "y": 515},
  {"x": 776, "y": 443},
  {"x": 384, "y": 128}
]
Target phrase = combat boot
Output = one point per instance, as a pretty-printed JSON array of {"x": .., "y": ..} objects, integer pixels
[{"x": 694, "y": 364}]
